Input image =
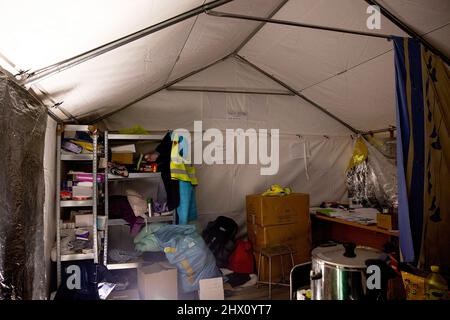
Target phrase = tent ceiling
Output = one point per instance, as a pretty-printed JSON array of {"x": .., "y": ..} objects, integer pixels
[
  {"x": 309, "y": 60},
  {"x": 231, "y": 74},
  {"x": 427, "y": 17},
  {"x": 212, "y": 39},
  {"x": 47, "y": 31}
]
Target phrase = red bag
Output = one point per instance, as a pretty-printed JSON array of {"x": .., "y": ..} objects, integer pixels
[{"x": 241, "y": 260}]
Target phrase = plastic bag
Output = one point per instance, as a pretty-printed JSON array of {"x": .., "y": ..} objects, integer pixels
[
  {"x": 137, "y": 203},
  {"x": 185, "y": 248},
  {"x": 146, "y": 240}
]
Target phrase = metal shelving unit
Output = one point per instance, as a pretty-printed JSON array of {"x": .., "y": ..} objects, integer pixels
[
  {"x": 77, "y": 157},
  {"x": 141, "y": 137},
  {"x": 76, "y": 203},
  {"x": 61, "y": 156},
  {"x": 132, "y": 176},
  {"x": 137, "y": 175}
]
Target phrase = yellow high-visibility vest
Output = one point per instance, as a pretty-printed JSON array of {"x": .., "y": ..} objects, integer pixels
[{"x": 180, "y": 169}]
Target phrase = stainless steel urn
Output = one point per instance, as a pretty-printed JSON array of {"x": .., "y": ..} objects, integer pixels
[{"x": 338, "y": 272}]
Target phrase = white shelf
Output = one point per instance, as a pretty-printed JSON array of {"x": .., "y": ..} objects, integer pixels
[
  {"x": 137, "y": 175},
  {"x": 75, "y": 127},
  {"x": 71, "y": 256},
  {"x": 77, "y": 157},
  {"x": 126, "y": 265},
  {"x": 150, "y": 137},
  {"x": 121, "y": 222},
  {"x": 77, "y": 256},
  {"x": 76, "y": 203}
]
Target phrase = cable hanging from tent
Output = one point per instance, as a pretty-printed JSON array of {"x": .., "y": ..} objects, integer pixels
[
  {"x": 296, "y": 24},
  {"x": 73, "y": 61}
]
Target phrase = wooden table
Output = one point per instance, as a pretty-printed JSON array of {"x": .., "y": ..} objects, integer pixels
[{"x": 326, "y": 228}]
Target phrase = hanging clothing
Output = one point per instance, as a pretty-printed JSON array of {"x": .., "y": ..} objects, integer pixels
[
  {"x": 187, "y": 210},
  {"x": 182, "y": 171},
  {"x": 180, "y": 168},
  {"x": 172, "y": 187},
  {"x": 423, "y": 153}
]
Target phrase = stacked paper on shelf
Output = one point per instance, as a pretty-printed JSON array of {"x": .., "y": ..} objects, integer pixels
[
  {"x": 128, "y": 148},
  {"x": 365, "y": 216}
]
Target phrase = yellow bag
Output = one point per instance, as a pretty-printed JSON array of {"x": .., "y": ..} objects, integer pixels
[
  {"x": 360, "y": 153},
  {"x": 277, "y": 190}
]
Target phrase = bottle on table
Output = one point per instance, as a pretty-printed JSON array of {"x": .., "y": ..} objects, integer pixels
[{"x": 435, "y": 285}]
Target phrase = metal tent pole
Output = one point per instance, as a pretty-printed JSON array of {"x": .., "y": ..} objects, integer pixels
[
  {"x": 297, "y": 24},
  {"x": 390, "y": 129},
  {"x": 226, "y": 90},
  {"x": 106, "y": 230},
  {"x": 241, "y": 45},
  {"x": 297, "y": 93},
  {"x": 59, "y": 130},
  {"x": 259, "y": 27},
  {"x": 385, "y": 12},
  {"x": 73, "y": 61}
]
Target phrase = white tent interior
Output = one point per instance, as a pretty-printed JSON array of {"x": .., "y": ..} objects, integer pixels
[{"x": 317, "y": 87}]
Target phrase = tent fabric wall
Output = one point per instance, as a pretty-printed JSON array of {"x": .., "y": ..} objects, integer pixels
[
  {"x": 228, "y": 184},
  {"x": 22, "y": 124}
]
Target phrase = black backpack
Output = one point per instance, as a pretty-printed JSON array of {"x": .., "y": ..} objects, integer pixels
[
  {"x": 219, "y": 237},
  {"x": 91, "y": 274}
]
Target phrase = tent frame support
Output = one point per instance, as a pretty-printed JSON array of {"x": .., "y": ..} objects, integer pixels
[
  {"x": 259, "y": 27},
  {"x": 167, "y": 85},
  {"x": 229, "y": 90},
  {"x": 371, "y": 132},
  {"x": 403, "y": 26},
  {"x": 34, "y": 76},
  {"x": 296, "y": 24},
  {"x": 11, "y": 77},
  {"x": 297, "y": 93}
]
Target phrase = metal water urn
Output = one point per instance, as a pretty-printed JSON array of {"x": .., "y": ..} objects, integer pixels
[{"x": 338, "y": 272}]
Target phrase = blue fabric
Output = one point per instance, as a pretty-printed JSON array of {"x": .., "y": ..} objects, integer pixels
[
  {"x": 418, "y": 171},
  {"x": 406, "y": 243},
  {"x": 410, "y": 145},
  {"x": 186, "y": 249},
  {"x": 187, "y": 210}
]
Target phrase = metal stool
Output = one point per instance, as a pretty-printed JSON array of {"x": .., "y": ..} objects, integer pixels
[{"x": 269, "y": 253}]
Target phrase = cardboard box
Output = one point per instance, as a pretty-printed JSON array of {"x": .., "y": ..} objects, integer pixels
[
  {"x": 122, "y": 158},
  {"x": 294, "y": 235},
  {"x": 158, "y": 281},
  {"x": 386, "y": 221},
  {"x": 211, "y": 289},
  {"x": 275, "y": 210},
  {"x": 131, "y": 294}
]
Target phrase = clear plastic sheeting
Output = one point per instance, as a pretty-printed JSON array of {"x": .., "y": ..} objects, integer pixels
[
  {"x": 373, "y": 183},
  {"x": 22, "y": 132}
]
